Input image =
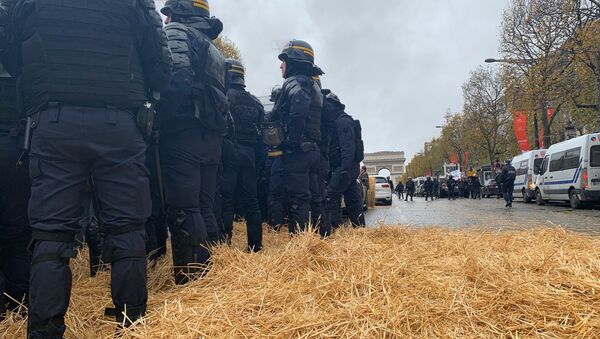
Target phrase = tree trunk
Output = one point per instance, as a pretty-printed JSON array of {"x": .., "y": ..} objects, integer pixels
[
  {"x": 536, "y": 132},
  {"x": 598, "y": 97},
  {"x": 547, "y": 140}
]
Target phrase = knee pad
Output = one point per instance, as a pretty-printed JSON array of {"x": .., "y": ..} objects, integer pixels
[
  {"x": 65, "y": 237},
  {"x": 113, "y": 254}
]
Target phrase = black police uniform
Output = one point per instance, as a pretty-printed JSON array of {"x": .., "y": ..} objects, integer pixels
[
  {"x": 193, "y": 120},
  {"x": 241, "y": 180},
  {"x": 410, "y": 190},
  {"x": 298, "y": 109},
  {"x": 451, "y": 184},
  {"x": 345, "y": 167},
  {"x": 509, "y": 174},
  {"x": 428, "y": 189},
  {"x": 15, "y": 232},
  {"x": 82, "y": 97}
]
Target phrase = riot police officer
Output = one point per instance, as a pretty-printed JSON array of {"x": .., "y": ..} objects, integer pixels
[
  {"x": 428, "y": 189},
  {"x": 298, "y": 111},
  {"x": 345, "y": 156},
  {"x": 15, "y": 232},
  {"x": 247, "y": 113},
  {"x": 509, "y": 174},
  {"x": 82, "y": 107},
  {"x": 193, "y": 121}
]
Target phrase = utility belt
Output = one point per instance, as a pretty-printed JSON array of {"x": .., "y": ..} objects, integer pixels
[{"x": 144, "y": 117}]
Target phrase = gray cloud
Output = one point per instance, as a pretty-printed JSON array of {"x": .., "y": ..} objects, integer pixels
[{"x": 398, "y": 65}]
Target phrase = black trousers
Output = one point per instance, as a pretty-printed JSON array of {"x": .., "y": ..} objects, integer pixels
[
  {"x": 318, "y": 193},
  {"x": 15, "y": 232},
  {"x": 290, "y": 175},
  {"x": 69, "y": 145},
  {"x": 190, "y": 161},
  {"x": 507, "y": 191},
  {"x": 240, "y": 179},
  {"x": 343, "y": 183}
]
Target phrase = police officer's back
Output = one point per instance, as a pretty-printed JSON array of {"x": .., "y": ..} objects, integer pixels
[
  {"x": 194, "y": 119},
  {"x": 248, "y": 114},
  {"x": 345, "y": 155},
  {"x": 82, "y": 98},
  {"x": 509, "y": 174}
]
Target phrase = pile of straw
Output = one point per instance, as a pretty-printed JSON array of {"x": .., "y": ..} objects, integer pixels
[{"x": 375, "y": 283}]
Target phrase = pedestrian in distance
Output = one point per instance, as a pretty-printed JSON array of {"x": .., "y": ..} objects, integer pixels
[
  {"x": 391, "y": 182},
  {"x": 436, "y": 189},
  {"x": 451, "y": 184},
  {"x": 89, "y": 108},
  {"x": 509, "y": 174},
  {"x": 400, "y": 190},
  {"x": 428, "y": 189},
  {"x": 410, "y": 189}
]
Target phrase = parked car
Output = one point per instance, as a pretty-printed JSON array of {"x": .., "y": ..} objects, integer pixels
[
  {"x": 383, "y": 192},
  {"x": 527, "y": 166},
  {"x": 489, "y": 187},
  {"x": 570, "y": 172},
  {"x": 364, "y": 195}
]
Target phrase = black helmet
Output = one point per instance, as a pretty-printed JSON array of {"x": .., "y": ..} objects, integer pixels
[
  {"x": 298, "y": 50},
  {"x": 186, "y": 8},
  {"x": 235, "y": 72}
]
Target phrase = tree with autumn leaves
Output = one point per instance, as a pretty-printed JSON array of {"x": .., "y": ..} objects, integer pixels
[{"x": 550, "y": 71}]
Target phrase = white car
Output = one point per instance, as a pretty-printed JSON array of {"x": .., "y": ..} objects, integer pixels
[{"x": 383, "y": 191}]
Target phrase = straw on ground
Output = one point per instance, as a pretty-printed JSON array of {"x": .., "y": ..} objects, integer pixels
[{"x": 372, "y": 283}]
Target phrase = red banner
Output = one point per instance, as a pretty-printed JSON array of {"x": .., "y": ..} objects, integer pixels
[
  {"x": 521, "y": 131},
  {"x": 550, "y": 112},
  {"x": 454, "y": 158}
]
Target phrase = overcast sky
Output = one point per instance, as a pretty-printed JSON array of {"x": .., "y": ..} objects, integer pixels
[{"x": 398, "y": 65}]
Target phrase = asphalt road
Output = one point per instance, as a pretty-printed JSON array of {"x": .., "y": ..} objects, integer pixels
[{"x": 485, "y": 213}]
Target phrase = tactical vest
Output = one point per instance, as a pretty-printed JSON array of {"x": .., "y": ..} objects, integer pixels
[
  {"x": 205, "y": 65},
  {"x": 8, "y": 98},
  {"x": 313, "y": 125},
  {"x": 82, "y": 53},
  {"x": 335, "y": 151},
  {"x": 246, "y": 115}
]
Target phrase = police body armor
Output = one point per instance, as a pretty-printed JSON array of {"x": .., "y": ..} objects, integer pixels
[
  {"x": 67, "y": 64},
  {"x": 206, "y": 79},
  {"x": 312, "y": 129},
  {"x": 335, "y": 151},
  {"x": 246, "y": 114},
  {"x": 9, "y": 112}
]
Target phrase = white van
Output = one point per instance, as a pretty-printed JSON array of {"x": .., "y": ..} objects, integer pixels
[
  {"x": 527, "y": 166},
  {"x": 571, "y": 172}
]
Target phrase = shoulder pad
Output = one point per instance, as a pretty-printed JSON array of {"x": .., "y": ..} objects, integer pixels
[
  {"x": 294, "y": 84},
  {"x": 177, "y": 37},
  {"x": 176, "y": 27}
]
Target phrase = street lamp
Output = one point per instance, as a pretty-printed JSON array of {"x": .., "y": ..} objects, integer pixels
[
  {"x": 511, "y": 61},
  {"x": 536, "y": 135}
]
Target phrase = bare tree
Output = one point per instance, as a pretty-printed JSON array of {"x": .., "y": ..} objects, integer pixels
[
  {"x": 534, "y": 33},
  {"x": 485, "y": 110}
]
